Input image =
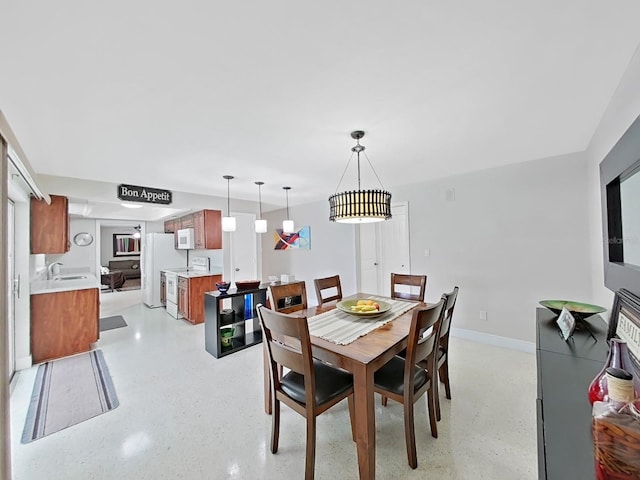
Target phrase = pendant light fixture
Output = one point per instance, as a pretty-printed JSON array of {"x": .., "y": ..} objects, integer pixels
[
  {"x": 359, "y": 206},
  {"x": 228, "y": 222},
  {"x": 261, "y": 224},
  {"x": 137, "y": 231},
  {"x": 287, "y": 225}
]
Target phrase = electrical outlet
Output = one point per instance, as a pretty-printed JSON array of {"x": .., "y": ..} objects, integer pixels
[{"x": 483, "y": 315}]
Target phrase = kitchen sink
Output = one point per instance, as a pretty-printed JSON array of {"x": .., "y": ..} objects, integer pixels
[{"x": 76, "y": 277}]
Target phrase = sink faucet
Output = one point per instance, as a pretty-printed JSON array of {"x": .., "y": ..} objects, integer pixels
[{"x": 50, "y": 269}]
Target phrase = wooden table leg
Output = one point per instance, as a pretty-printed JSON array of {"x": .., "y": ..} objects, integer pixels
[
  {"x": 365, "y": 421},
  {"x": 267, "y": 381}
]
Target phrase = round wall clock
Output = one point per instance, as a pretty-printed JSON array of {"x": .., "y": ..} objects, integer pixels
[{"x": 83, "y": 239}]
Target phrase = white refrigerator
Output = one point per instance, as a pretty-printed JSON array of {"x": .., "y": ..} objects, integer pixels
[{"x": 158, "y": 253}]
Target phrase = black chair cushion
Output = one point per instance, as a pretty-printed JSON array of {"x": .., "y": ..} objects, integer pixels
[
  {"x": 390, "y": 377},
  {"x": 330, "y": 382}
]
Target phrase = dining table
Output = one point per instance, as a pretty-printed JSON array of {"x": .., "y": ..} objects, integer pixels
[{"x": 362, "y": 357}]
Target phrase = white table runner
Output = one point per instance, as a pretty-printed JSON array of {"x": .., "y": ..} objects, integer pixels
[{"x": 343, "y": 328}]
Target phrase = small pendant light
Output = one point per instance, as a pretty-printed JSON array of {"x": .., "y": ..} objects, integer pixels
[
  {"x": 228, "y": 222},
  {"x": 261, "y": 224},
  {"x": 287, "y": 225}
]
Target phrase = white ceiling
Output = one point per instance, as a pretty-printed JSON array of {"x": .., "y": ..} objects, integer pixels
[{"x": 176, "y": 94}]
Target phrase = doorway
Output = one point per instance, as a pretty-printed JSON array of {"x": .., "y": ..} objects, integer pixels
[{"x": 383, "y": 248}]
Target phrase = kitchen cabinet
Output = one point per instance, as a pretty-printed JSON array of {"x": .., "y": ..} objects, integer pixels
[
  {"x": 191, "y": 291},
  {"x": 244, "y": 319},
  {"x": 186, "y": 221},
  {"x": 50, "y": 225},
  {"x": 163, "y": 288},
  {"x": 64, "y": 323},
  {"x": 170, "y": 226},
  {"x": 207, "y": 225}
]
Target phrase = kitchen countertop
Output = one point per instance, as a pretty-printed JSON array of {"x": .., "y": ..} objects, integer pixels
[
  {"x": 53, "y": 286},
  {"x": 195, "y": 273}
]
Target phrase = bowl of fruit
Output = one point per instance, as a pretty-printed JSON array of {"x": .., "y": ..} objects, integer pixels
[{"x": 364, "y": 307}]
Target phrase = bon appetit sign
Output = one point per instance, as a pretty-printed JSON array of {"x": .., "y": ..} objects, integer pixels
[{"x": 134, "y": 193}]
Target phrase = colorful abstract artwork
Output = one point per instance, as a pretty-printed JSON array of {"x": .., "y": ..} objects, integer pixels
[{"x": 300, "y": 239}]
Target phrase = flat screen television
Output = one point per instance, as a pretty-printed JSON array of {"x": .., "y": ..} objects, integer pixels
[{"x": 620, "y": 188}]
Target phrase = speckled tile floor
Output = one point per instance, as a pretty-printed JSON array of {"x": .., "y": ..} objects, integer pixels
[{"x": 185, "y": 414}]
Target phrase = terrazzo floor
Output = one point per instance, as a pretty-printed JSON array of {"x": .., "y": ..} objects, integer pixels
[{"x": 185, "y": 415}]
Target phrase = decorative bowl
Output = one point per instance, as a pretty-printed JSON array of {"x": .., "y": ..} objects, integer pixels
[
  {"x": 247, "y": 284},
  {"x": 226, "y": 336},
  {"x": 223, "y": 286},
  {"x": 582, "y": 309},
  {"x": 345, "y": 306}
]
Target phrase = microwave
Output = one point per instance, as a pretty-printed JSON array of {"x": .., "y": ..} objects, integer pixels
[{"x": 186, "y": 239}]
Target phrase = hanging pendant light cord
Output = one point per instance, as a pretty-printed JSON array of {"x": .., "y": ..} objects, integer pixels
[
  {"x": 357, "y": 149},
  {"x": 287, "y": 192},
  {"x": 228, "y": 207},
  {"x": 260, "y": 199}
]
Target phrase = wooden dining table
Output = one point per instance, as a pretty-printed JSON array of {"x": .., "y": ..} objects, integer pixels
[{"x": 362, "y": 358}]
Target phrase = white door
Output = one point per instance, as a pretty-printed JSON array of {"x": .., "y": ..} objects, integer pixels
[
  {"x": 383, "y": 249},
  {"x": 244, "y": 248},
  {"x": 13, "y": 286},
  {"x": 370, "y": 272}
]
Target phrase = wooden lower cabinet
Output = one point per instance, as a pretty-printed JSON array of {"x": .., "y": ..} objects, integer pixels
[
  {"x": 191, "y": 296},
  {"x": 64, "y": 323}
]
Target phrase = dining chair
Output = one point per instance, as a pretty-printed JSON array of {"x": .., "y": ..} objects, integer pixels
[
  {"x": 310, "y": 387},
  {"x": 442, "y": 357},
  {"x": 332, "y": 284},
  {"x": 288, "y": 297},
  {"x": 408, "y": 281},
  {"x": 402, "y": 380}
]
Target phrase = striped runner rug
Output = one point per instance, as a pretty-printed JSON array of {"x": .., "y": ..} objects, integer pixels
[
  {"x": 342, "y": 328},
  {"x": 68, "y": 391}
]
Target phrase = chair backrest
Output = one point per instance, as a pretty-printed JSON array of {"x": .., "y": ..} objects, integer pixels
[
  {"x": 419, "y": 347},
  {"x": 288, "y": 345},
  {"x": 288, "y": 297},
  {"x": 326, "y": 284},
  {"x": 449, "y": 300},
  {"x": 411, "y": 281}
]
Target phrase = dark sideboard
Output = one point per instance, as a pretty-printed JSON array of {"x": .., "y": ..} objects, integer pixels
[{"x": 565, "y": 370}]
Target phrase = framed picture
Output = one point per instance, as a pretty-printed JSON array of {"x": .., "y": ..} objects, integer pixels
[
  {"x": 125, "y": 245},
  {"x": 625, "y": 322},
  {"x": 298, "y": 240},
  {"x": 567, "y": 323}
]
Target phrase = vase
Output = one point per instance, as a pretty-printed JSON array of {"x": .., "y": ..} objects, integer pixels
[{"x": 619, "y": 358}]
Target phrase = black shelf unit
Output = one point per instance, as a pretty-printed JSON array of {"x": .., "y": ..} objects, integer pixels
[{"x": 247, "y": 330}]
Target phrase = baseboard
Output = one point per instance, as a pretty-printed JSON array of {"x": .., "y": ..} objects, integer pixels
[
  {"x": 494, "y": 340},
  {"x": 22, "y": 363}
]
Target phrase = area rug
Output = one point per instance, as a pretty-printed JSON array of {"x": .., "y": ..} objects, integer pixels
[
  {"x": 68, "y": 391},
  {"x": 109, "y": 323}
]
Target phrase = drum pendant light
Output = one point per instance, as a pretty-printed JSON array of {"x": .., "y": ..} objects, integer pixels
[
  {"x": 228, "y": 222},
  {"x": 359, "y": 206},
  {"x": 261, "y": 224},
  {"x": 287, "y": 225}
]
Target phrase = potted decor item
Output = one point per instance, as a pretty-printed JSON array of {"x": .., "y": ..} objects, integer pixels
[{"x": 226, "y": 336}]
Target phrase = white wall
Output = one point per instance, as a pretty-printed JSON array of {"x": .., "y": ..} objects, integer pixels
[
  {"x": 513, "y": 236},
  {"x": 106, "y": 243},
  {"x": 623, "y": 109},
  {"x": 333, "y": 249},
  {"x": 79, "y": 258}
]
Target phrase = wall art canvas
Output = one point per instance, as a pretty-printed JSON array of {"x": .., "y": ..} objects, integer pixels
[{"x": 298, "y": 240}]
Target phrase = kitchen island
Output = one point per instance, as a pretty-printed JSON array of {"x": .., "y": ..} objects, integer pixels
[{"x": 64, "y": 315}]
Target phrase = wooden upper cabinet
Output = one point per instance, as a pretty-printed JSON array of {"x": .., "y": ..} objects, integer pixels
[
  {"x": 207, "y": 226},
  {"x": 170, "y": 225},
  {"x": 50, "y": 225},
  {"x": 186, "y": 221}
]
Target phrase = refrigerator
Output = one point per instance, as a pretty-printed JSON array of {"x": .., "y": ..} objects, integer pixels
[{"x": 158, "y": 253}]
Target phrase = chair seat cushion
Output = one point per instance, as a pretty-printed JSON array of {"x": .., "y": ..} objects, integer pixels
[
  {"x": 390, "y": 377},
  {"x": 330, "y": 383}
]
